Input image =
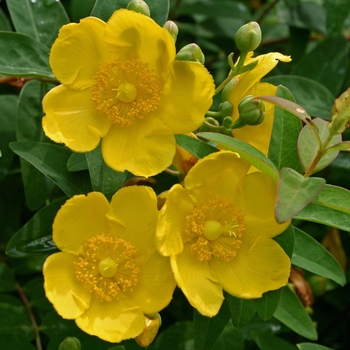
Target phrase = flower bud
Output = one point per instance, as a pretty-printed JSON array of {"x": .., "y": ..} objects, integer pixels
[
  {"x": 172, "y": 28},
  {"x": 251, "y": 112},
  {"x": 70, "y": 343},
  {"x": 318, "y": 284},
  {"x": 227, "y": 90},
  {"x": 226, "y": 109},
  {"x": 191, "y": 52},
  {"x": 210, "y": 124},
  {"x": 139, "y": 6},
  {"x": 153, "y": 322},
  {"x": 248, "y": 37}
]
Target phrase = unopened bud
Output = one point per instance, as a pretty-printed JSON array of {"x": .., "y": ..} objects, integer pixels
[
  {"x": 227, "y": 90},
  {"x": 172, "y": 28},
  {"x": 248, "y": 37},
  {"x": 139, "y": 6},
  {"x": 318, "y": 284},
  {"x": 226, "y": 109},
  {"x": 70, "y": 343},
  {"x": 191, "y": 52},
  {"x": 153, "y": 322}
]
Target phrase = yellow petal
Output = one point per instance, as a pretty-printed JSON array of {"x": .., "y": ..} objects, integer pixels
[
  {"x": 172, "y": 219},
  {"x": 132, "y": 35},
  {"x": 258, "y": 136},
  {"x": 71, "y": 119},
  {"x": 133, "y": 215},
  {"x": 197, "y": 281},
  {"x": 260, "y": 265},
  {"x": 155, "y": 282},
  {"x": 258, "y": 205},
  {"x": 112, "y": 321},
  {"x": 219, "y": 173},
  {"x": 68, "y": 296},
  {"x": 78, "y": 51},
  {"x": 145, "y": 148},
  {"x": 80, "y": 218},
  {"x": 186, "y": 97}
]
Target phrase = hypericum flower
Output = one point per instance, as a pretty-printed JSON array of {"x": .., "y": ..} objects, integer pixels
[
  {"x": 249, "y": 84},
  {"x": 218, "y": 231},
  {"x": 109, "y": 273},
  {"x": 121, "y": 82}
]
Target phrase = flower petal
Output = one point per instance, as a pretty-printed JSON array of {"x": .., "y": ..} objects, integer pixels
[
  {"x": 258, "y": 136},
  {"x": 171, "y": 222},
  {"x": 155, "y": 282},
  {"x": 186, "y": 97},
  {"x": 145, "y": 148},
  {"x": 80, "y": 218},
  {"x": 260, "y": 265},
  {"x": 78, "y": 51},
  {"x": 258, "y": 205},
  {"x": 197, "y": 281},
  {"x": 112, "y": 321},
  {"x": 131, "y": 35},
  {"x": 71, "y": 119},
  {"x": 68, "y": 296},
  {"x": 219, "y": 173}
]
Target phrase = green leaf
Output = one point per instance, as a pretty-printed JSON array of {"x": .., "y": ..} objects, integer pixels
[
  {"x": 292, "y": 313},
  {"x": 7, "y": 279},
  {"x": 5, "y": 24},
  {"x": 310, "y": 94},
  {"x": 295, "y": 192},
  {"x": 330, "y": 55},
  {"x": 8, "y": 105},
  {"x": 308, "y": 146},
  {"x": 246, "y": 151},
  {"x": 286, "y": 128},
  {"x": 15, "y": 342},
  {"x": 25, "y": 57},
  {"x": 312, "y": 256},
  {"x": 286, "y": 240},
  {"x": 105, "y": 8},
  {"x": 266, "y": 341},
  {"x": 77, "y": 162},
  {"x": 103, "y": 178},
  {"x": 36, "y": 235},
  {"x": 207, "y": 330},
  {"x": 241, "y": 310},
  {"x": 312, "y": 346},
  {"x": 342, "y": 146},
  {"x": 331, "y": 207},
  {"x": 230, "y": 339},
  {"x": 51, "y": 160},
  {"x": 196, "y": 147},
  {"x": 266, "y": 305},
  {"x": 336, "y": 13},
  {"x": 34, "y": 290},
  {"x": 40, "y": 19},
  {"x": 37, "y": 187},
  {"x": 53, "y": 324}
]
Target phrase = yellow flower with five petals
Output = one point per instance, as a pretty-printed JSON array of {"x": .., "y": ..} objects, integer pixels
[
  {"x": 218, "y": 232},
  {"x": 122, "y": 84},
  {"x": 108, "y": 275}
]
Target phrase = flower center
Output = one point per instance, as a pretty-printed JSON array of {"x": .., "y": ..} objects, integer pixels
[
  {"x": 126, "y": 91},
  {"x": 214, "y": 229},
  {"x": 107, "y": 266}
]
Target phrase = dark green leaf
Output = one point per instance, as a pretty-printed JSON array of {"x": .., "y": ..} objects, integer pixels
[
  {"x": 292, "y": 313},
  {"x": 51, "y": 160},
  {"x": 331, "y": 207},
  {"x": 330, "y": 55},
  {"x": 246, "y": 151},
  {"x": 286, "y": 240},
  {"x": 295, "y": 192},
  {"x": 266, "y": 341},
  {"x": 37, "y": 187},
  {"x": 337, "y": 12},
  {"x": 103, "y": 178},
  {"x": 35, "y": 235},
  {"x": 7, "y": 279},
  {"x": 117, "y": 347},
  {"x": 286, "y": 128},
  {"x": 23, "y": 56},
  {"x": 40, "y": 19},
  {"x": 312, "y": 256},
  {"x": 53, "y": 324},
  {"x": 230, "y": 339},
  {"x": 312, "y": 346},
  {"x": 8, "y": 105},
  {"x": 241, "y": 310},
  {"x": 34, "y": 291},
  {"x": 5, "y": 24},
  {"x": 207, "y": 330},
  {"x": 267, "y": 304},
  {"x": 77, "y": 162},
  {"x": 15, "y": 342},
  {"x": 308, "y": 93},
  {"x": 196, "y": 147}
]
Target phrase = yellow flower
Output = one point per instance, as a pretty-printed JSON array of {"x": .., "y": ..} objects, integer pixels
[
  {"x": 249, "y": 84},
  {"x": 121, "y": 83},
  {"x": 109, "y": 273},
  {"x": 218, "y": 231}
]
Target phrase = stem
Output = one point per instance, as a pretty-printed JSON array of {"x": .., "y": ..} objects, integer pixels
[
  {"x": 213, "y": 114},
  {"x": 223, "y": 84},
  {"x": 31, "y": 316},
  {"x": 267, "y": 10},
  {"x": 313, "y": 164}
]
